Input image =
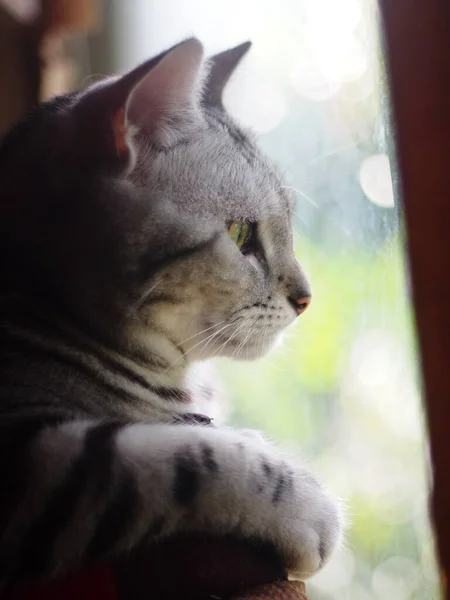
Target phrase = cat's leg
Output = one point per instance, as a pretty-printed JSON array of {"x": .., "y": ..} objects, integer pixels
[{"x": 80, "y": 490}]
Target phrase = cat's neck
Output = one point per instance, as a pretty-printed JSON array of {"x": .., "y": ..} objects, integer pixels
[{"x": 149, "y": 369}]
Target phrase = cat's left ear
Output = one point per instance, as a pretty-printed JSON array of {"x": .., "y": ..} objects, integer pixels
[
  {"x": 165, "y": 102},
  {"x": 160, "y": 97},
  {"x": 222, "y": 67}
]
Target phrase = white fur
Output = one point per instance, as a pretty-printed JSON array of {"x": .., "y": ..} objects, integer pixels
[
  {"x": 229, "y": 501},
  {"x": 157, "y": 273}
]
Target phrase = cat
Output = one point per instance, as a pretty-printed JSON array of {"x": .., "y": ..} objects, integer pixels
[{"x": 141, "y": 232}]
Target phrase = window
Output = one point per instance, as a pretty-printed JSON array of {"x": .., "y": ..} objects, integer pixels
[{"x": 344, "y": 387}]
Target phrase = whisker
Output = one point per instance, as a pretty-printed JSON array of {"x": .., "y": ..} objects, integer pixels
[
  {"x": 195, "y": 346},
  {"x": 233, "y": 335},
  {"x": 301, "y": 219},
  {"x": 210, "y": 339},
  {"x": 272, "y": 193},
  {"x": 320, "y": 157},
  {"x": 344, "y": 230},
  {"x": 146, "y": 294},
  {"x": 297, "y": 191},
  {"x": 242, "y": 344},
  {"x": 259, "y": 340},
  {"x": 329, "y": 154},
  {"x": 200, "y": 332}
]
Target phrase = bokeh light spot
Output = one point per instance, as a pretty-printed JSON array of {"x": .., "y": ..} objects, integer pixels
[
  {"x": 376, "y": 180},
  {"x": 308, "y": 81},
  {"x": 261, "y": 106}
]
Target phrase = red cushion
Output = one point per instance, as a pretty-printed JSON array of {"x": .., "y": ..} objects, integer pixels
[
  {"x": 96, "y": 583},
  {"x": 191, "y": 568}
]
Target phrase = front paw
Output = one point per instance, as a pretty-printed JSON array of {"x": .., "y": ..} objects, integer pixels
[
  {"x": 306, "y": 523},
  {"x": 255, "y": 492},
  {"x": 317, "y": 526},
  {"x": 289, "y": 508}
]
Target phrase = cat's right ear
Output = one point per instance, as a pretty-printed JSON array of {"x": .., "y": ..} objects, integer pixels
[{"x": 160, "y": 97}]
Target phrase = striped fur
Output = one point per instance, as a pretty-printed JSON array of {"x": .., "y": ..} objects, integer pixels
[
  {"x": 118, "y": 275},
  {"x": 84, "y": 489}
]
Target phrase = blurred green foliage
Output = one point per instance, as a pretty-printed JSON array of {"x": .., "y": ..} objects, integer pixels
[
  {"x": 343, "y": 389},
  {"x": 313, "y": 394}
]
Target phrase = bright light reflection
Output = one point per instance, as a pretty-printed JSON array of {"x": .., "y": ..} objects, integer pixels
[
  {"x": 330, "y": 29},
  {"x": 309, "y": 82},
  {"x": 260, "y": 107},
  {"x": 343, "y": 15},
  {"x": 376, "y": 180},
  {"x": 379, "y": 377},
  {"x": 341, "y": 59}
]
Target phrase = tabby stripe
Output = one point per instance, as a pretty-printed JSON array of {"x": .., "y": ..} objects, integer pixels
[
  {"x": 239, "y": 139},
  {"x": 148, "y": 268},
  {"x": 38, "y": 350},
  {"x": 187, "y": 478},
  {"x": 278, "y": 489},
  {"x": 208, "y": 459},
  {"x": 283, "y": 486},
  {"x": 114, "y": 366},
  {"x": 267, "y": 468},
  {"x": 323, "y": 551},
  {"x": 46, "y": 326},
  {"x": 126, "y": 373},
  {"x": 15, "y": 463},
  {"x": 32, "y": 410},
  {"x": 96, "y": 459},
  {"x": 117, "y": 517}
]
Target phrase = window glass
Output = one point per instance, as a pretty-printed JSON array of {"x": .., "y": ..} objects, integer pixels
[{"x": 343, "y": 388}]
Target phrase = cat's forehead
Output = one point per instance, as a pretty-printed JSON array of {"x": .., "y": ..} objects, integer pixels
[
  {"x": 248, "y": 167},
  {"x": 221, "y": 171}
]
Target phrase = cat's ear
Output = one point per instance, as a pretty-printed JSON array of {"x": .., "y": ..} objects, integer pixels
[
  {"x": 222, "y": 66},
  {"x": 165, "y": 103},
  {"x": 160, "y": 97}
]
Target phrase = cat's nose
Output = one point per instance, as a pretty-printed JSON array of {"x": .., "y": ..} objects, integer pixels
[
  {"x": 300, "y": 304},
  {"x": 298, "y": 289}
]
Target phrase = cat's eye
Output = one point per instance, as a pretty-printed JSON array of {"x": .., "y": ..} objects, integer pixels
[{"x": 241, "y": 233}]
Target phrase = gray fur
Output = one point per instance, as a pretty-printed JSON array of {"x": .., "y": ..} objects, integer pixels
[{"x": 119, "y": 274}]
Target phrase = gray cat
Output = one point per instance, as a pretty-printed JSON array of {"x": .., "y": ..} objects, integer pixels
[{"x": 141, "y": 230}]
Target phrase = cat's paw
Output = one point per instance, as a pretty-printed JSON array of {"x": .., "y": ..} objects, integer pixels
[
  {"x": 292, "y": 511},
  {"x": 309, "y": 527},
  {"x": 256, "y": 492}
]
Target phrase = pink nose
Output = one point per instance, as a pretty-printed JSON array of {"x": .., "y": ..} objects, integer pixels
[{"x": 300, "y": 304}]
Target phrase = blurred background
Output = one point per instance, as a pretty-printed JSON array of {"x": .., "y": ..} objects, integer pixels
[{"x": 343, "y": 389}]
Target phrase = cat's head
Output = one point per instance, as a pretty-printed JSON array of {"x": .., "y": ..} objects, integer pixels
[{"x": 138, "y": 206}]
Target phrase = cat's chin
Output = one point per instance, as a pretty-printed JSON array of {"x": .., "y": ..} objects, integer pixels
[{"x": 257, "y": 350}]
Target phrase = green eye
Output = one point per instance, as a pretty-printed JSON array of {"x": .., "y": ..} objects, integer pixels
[{"x": 240, "y": 232}]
